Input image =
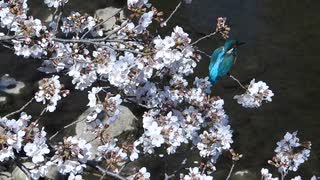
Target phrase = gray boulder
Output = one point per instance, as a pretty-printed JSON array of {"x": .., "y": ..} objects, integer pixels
[
  {"x": 18, "y": 174},
  {"x": 4, "y": 174},
  {"x": 126, "y": 122},
  {"x": 106, "y": 13}
]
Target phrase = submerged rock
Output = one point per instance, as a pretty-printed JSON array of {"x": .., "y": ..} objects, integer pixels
[
  {"x": 3, "y": 100},
  {"x": 6, "y": 81},
  {"x": 10, "y": 86},
  {"x": 244, "y": 175}
]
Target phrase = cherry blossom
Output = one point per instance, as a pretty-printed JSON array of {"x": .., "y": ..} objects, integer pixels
[
  {"x": 38, "y": 148},
  {"x": 142, "y": 174},
  {"x": 50, "y": 92},
  {"x": 195, "y": 173},
  {"x": 112, "y": 155},
  {"x": 71, "y": 156},
  {"x": 55, "y": 3},
  {"x": 255, "y": 95},
  {"x": 266, "y": 175},
  {"x": 290, "y": 153}
]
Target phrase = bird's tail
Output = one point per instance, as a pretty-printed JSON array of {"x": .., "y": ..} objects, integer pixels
[{"x": 213, "y": 81}]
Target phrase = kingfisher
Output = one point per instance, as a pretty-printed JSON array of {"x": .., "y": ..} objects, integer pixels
[{"x": 222, "y": 59}]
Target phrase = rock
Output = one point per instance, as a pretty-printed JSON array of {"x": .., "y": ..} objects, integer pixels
[
  {"x": 126, "y": 122},
  {"x": 15, "y": 90},
  {"x": 18, "y": 174},
  {"x": 10, "y": 86},
  {"x": 244, "y": 175},
  {"x": 6, "y": 81},
  {"x": 3, "y": 100},
  {"x": 4, "y": 174},
  {"x": 107, "y": 13},
  {"x": 53, "y": 173}
]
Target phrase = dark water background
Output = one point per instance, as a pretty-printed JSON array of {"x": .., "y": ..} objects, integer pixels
[{"x": 282, "y": 48}]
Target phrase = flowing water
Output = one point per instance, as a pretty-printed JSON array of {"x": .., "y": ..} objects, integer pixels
[{"x": 282, "y": 38}]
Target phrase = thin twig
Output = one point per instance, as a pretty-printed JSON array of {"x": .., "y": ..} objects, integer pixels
[
  {"x": 92, "y": 40},
  {"x": 139, "y": 104},
  {"x": 21, "y": 109},
  {"x": 116, "y": 30},
  {"x": 6, "y": 37},
  {"x": 124, "y": 49},
  {"x": 95, "y": 42},
  {"x": 57, "y": 25},
  {"x": 102, "y": 177},
  {"x": 204, "y": 37},
  {"x": 65, "y": 127},
  {"x": 283, "y": 175},
  {"x": 231, "y": 169},
  {"x": 104, "y": 171},
  {"x": 164, "y": 23},
  {"x": 40, "y": 115},
  {"x": 232, "y": 77},
  {"x": 204, "y": 53}
]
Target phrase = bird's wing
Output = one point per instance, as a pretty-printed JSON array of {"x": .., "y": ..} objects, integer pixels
[
  {"x": 225, "y": 65},
  {"x": 214, "y": 57},
  {"x": 214, "y": 64}
]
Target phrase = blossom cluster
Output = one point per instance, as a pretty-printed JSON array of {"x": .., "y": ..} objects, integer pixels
[
  {"x": 113, "y": 156},
  {"x": 77, "y": 23},
  {"x": 195, "y": 173},
  {"x": 109, "y": 107},
  {"x": 23, "y": 135},
  {"x": 50, "y": 92},
  {"x": 137, "y": 3},
  {"x": 290, "y": 153},
  {"x": 55, "y": 3},
  {"x": 142, "y": 174},
  {"x": 256, "y": 93},
  {"x": 12, "y": 12},
  {"x": 266, "y": 175},
  {"x": 170, "y": 127},
  {"x": 71, "y": 156}
]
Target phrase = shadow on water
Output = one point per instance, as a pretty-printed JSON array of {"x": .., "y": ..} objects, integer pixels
[{"x": 281, "y": 49}]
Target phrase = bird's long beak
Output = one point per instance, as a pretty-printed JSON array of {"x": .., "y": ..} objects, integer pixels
[{"x": 240, "y": 43}]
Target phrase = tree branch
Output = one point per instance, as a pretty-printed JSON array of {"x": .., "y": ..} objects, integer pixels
[
  {"x": 164, "y": 23},
  {"x": 232, "y": 77},
  {"x": 21, "y": 109},
  {"x": 104, "y": 171},
  {"x": 65, "y": 127},
  {"x": 204, "y": 37},
  {"x": 231, "y": 169}
]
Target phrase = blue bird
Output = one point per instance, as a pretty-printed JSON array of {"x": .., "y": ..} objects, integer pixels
[{"x": 222, "y": 59}]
